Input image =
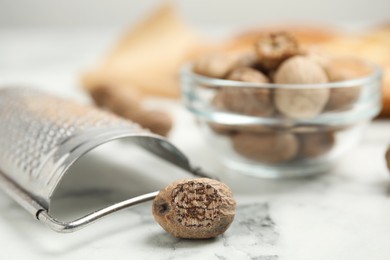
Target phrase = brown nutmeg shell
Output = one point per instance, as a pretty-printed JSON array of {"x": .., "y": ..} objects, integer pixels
[
  {"x": 156, "y": 121},
  {"x": 271, "y": 148},
  {"x": 316, "y": 144},
  {"x": 214, "y": 65},
  {"x": 118, "y": 99},
  {"x": 340, "y": 71},
  {"x": 195, "y": 208},
  {"x": 246, "y": 101},
  {"x": 272, "y": 49},
  {"x": 305, "y": 102}
]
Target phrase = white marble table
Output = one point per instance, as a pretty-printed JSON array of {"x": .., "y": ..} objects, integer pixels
[{"x": 344, "y": 214}]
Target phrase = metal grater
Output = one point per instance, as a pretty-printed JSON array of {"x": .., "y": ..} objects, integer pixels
[{"x": 41, "y": 136}]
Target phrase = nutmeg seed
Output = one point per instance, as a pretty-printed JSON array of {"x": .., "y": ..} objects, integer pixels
[
  {"x": 195, "y": 208},
  {"x": 300, "y": 70},
  {"x": 246, "y": 59},
  {"x": 343, "y": 97},
  {"x": 117, "y": 99},
  {"x": 247, "y": 74},
  {"x": 271, "y": 148},
  {"x": 272, "y": 49},
  {"x": 316, "y": 144},
  {"x": 214, "y": 65},
  {"x": 300, "y": 103},
  {"x": 156, "y": 121},
  {"x": 246, "y": 101}
]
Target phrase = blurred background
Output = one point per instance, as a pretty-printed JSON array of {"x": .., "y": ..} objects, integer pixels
[
  {"x": 48, "y": 43},
  {"x": 121, "y": 13},
  {"x": 70, "y": 47}
]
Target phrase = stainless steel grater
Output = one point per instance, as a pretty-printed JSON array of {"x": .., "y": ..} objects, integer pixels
[{"x": 41, "y": 136}]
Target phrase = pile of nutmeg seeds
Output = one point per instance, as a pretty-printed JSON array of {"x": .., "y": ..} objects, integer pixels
[{"x": 279, "y": 59}]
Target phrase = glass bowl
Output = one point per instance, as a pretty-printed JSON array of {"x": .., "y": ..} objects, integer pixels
[{"x": 283, "y": 130}]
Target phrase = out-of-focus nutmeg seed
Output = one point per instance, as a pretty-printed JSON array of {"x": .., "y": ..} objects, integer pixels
[
  {"x": 246, "y": 101},
  {"x": 272, "y": 49},
  {"x": 156, "y": 121},
  {"x": 344, "y": 97},
  {"x": 118, "y": 99},
  {"x": 300, "y": 70},
  {"x": 316, "y": 144},
  {"x": 271, "y": 148},
  {"x": 214, "y": 65},
  {"x": 305, "y": 102},
  {"x": 246, "y": 59},
  {"x": 253, "y": 102},
  {"x": 247, "y": 74},
  {"x": 195, "y": 208}
]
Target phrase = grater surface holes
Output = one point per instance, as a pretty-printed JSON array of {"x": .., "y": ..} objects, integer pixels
[{"x": 32, "y": 124}]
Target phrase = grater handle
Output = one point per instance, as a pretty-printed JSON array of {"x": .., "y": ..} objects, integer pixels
[
  {"x": 43, "y": 215},
  {"x": 68, "y": 227}
]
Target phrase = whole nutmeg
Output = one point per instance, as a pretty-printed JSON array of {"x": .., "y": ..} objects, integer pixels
[
  {"x": 247, "y": 74},
  {"x": 242, "y": 100},
  {"x": 271, "y": 148},
  {"x": 99, "y": 95},
  {"x": 305, "y": 102},
  {"x": 246, "y": 59},
  {"x": 316, "y": 144},
  {"x": 214, "y": 65},
  {"x": 156, "y": 121},
  {"x": 300, "y": 70},
  {"x": 272, "y": 49},
  {"x": 118, "y": 99},
  {"x": 343, "y": 97},
  {"x": 195, "y": 208}
]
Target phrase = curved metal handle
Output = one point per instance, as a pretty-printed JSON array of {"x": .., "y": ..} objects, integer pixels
[{"x": 68, "y": 227}]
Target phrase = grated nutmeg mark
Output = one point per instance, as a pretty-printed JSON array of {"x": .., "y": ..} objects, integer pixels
[{"x": 196, "y": 204}]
